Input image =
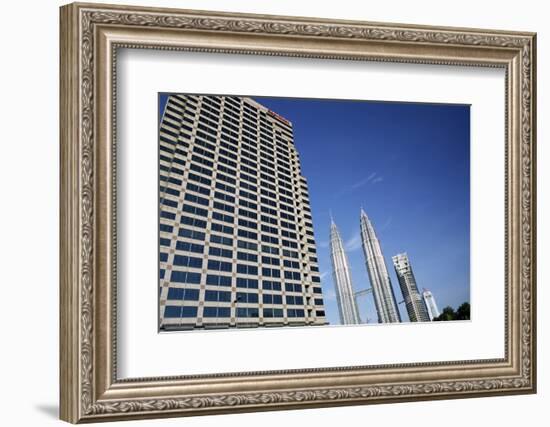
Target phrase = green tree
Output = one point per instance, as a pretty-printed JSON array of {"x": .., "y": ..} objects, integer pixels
[
  {"x": 447, "y": 314},
  {"x": 463, "y": 312}
]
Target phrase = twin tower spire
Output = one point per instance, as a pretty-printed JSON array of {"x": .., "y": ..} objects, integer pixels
[
  {"x": 345, "y": 297},
  {"x": 382, "y": 290}
]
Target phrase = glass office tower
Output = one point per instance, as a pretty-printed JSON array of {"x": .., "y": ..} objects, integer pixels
[
  {"x": 416, "y": 308},
  {"x": 431, "y": 305}
]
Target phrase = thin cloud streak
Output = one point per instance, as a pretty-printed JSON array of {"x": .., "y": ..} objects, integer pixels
[
  {"x": 386, "y": 224},
  {"x": 372, "y": 179},
  {"x": 353, "y": 243},
  {"x": 329, "y": 295},
  {"x": 363, "y": 182}
]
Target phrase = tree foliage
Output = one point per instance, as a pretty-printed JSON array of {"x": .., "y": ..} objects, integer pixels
[
  {"x": 463, "y": 312},
  {"x": 448, "y": 313}
]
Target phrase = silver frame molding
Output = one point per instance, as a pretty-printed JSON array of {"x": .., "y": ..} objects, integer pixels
[{"x": 90, "y": 37}]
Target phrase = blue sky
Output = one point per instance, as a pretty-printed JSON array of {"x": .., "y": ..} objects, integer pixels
[{"x": 407, "y": 165}]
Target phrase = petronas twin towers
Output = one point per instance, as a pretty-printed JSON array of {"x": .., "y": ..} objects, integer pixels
[
  {"x": 381, "y": 288},
  {"x": 345, "y": 297},
  {"x": 384, "y": 298}
]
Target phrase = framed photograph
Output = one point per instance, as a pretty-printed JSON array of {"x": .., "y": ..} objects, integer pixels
[{"x": 268, "y": 212}]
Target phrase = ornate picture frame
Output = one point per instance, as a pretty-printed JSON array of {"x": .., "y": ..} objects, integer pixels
[{"x": 90, "y": 37}]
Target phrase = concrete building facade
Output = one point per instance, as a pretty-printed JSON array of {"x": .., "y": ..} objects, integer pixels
[{"x": 236, "y": 239}]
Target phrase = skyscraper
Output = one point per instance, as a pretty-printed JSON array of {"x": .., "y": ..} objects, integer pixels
[
  {"x": 235, "y": 229},
  {"x": 431, "y": 305},
  {"x": 416, "y": 308},
  {"x": 384, "y": 297},
  {"x": 341, "y": 273}
]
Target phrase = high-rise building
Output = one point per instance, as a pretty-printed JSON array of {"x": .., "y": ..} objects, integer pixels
[
  {"x": 236, "y": 234},
  {"x": 416, "y": 308},
  {"x": 431, "y": 305},
  {"x": 382, "y": 290},
  {"x": 341, "y": 273}
]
